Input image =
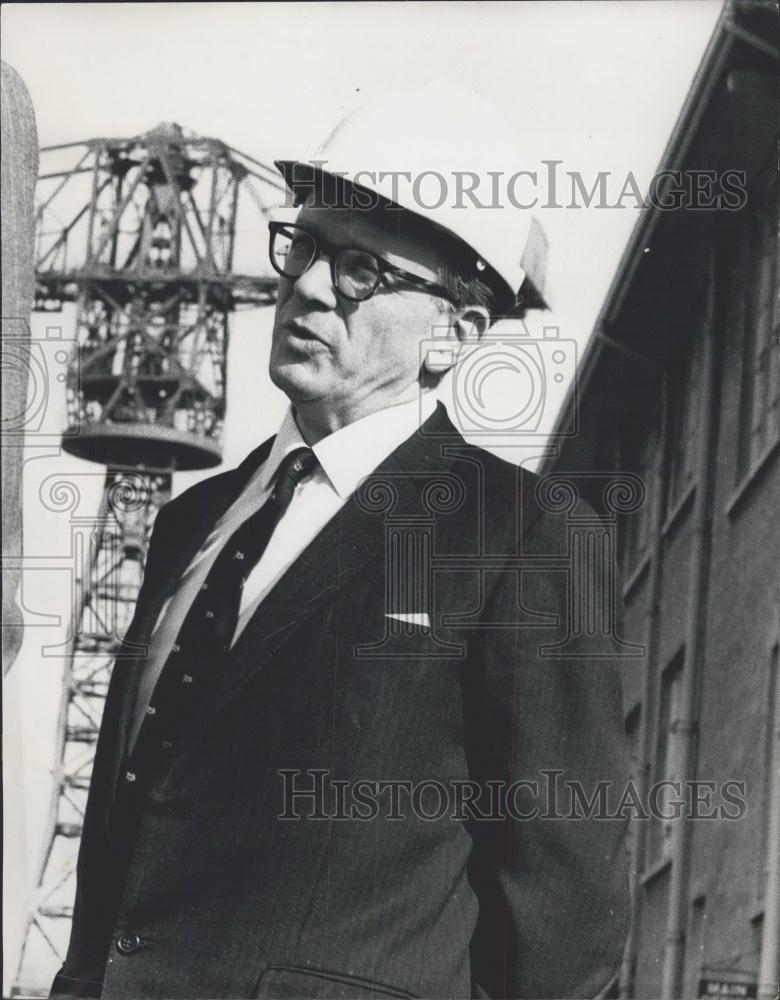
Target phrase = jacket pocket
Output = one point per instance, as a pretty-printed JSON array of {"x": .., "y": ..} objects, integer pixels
[{"x": 290, "y": 982}]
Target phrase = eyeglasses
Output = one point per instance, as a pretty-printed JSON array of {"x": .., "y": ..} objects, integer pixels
[{"x": 356, "y": 274}]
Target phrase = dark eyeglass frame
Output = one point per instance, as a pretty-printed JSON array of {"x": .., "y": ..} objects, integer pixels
[{"x": 336, "y": 253}]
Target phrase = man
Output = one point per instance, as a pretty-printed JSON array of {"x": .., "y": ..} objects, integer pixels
[{"x": 341, "y": 620}]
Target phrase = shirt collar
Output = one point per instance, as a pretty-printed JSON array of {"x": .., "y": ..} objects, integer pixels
[
  {"x": 349, "y": 454},
  {"x": 352, "y": 452}
]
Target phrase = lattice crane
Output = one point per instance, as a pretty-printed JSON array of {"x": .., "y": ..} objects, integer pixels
[{"x": 157, "y": 239}]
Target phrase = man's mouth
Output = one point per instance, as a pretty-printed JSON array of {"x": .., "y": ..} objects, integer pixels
[{"x": 299, "y": 334}]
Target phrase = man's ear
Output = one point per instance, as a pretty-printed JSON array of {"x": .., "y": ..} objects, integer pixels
[
  {"x": 465, "y": 327},
  {"x": 470, "y": 323}
]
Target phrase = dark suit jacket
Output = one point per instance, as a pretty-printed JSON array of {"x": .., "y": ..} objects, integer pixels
[{"x": 224, "y": 899}]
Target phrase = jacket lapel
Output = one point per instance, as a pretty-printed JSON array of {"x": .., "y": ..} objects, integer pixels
[
  {"x": 195, "y": 518},
  {"x": 352, "y": 540},
  {"x": 181, "y": 540}
]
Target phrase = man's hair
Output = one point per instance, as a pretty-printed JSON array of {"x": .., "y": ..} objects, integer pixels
[{"x": 467, "y": 288}]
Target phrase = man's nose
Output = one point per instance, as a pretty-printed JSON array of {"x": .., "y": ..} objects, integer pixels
[{"x": 316, "y": 284}]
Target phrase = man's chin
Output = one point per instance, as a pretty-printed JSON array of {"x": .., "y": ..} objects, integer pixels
[{"x": 297, "y": 381}]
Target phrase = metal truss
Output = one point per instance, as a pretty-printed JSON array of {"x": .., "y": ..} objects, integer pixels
[{"x": 156, "y": 240}]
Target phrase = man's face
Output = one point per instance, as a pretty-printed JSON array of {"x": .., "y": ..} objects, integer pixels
[{"x": 346, "y": 358}]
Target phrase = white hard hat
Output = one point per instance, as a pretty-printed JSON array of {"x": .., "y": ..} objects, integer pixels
[{"x": 448, "y": 155}]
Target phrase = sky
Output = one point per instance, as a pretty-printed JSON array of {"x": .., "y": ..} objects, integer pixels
[{"x": 594, "y": 85}]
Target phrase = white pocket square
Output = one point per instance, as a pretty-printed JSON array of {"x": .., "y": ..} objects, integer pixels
[{"x": 416, "y": 618}]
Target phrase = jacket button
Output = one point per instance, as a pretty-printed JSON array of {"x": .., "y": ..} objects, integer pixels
[{"x": 127, "y": 943}]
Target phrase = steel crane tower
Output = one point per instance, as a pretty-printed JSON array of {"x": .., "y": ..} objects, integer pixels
[{"x": 144, "y": 236}]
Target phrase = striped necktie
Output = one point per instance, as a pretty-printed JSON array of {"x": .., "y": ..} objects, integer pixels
[{"x": 203, "y": 642}]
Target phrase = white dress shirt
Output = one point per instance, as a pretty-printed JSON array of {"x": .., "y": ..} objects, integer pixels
[{"x": 344, "y": 458}]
